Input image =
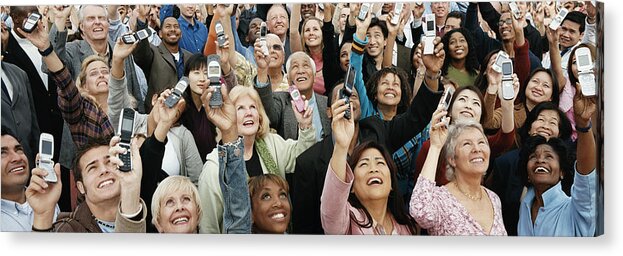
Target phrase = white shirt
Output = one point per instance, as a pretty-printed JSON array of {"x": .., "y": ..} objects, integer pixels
[
  {"x": 170, "y": 163},
  {"x": 34, "y": 55},
  {"x": 590, "y": 37},
  {"x": 9, "y": 85}
]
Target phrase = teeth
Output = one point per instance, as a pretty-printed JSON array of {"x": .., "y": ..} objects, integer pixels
[
  {"x": 390, "y": 95},
  {"x": 105, "y": 183},
  {"x": 17, "y": 169},
  {"x": 301, "y": 79},
  {"x": 375, "y": 181},
  {"x": 459, "y": 51},
  {"x": 477, "y": 160},
  {"x": 181, "y": 219},
  {"x": 248, "y": 123},
  {"x": 278, "y": 216},
  {"x": 541, "y": 170}
]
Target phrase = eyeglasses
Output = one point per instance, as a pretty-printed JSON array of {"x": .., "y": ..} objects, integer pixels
[{"x": 507, "y": 21}]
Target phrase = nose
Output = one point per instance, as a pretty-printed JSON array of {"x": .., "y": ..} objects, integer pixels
[{"x": 277, "y": 203}]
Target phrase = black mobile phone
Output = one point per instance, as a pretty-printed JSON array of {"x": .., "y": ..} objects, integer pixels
[
  {"x": 175, "y": 96},
  {"x": 220, "y": 34},
  {"x": 347, "y": 91},
  {"x": 214, "y": 74},
  {"x": 126, "y": 132},
  {"x": 31, "y": 23}
]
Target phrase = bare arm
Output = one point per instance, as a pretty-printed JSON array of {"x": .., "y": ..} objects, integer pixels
[{"x": 295, "y": 34}]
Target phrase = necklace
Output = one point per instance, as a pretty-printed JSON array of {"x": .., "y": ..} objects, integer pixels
[
  {"x": 473, "y": 198},
  {"x": 105, "y": 224}
]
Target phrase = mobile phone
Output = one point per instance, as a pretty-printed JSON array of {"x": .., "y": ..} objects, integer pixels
[
  {"x": 175, "y": 96},
  {"x": 397, "y": 11},
  {"x": 214, "y": 74},
  {"x": 134, "y": 37},
  {"x": 363, "y": 11},
  {"x": 557, "y": 21},
  {"x": 263, "y": 32},
  {"x": 514, "y": 10},
  {"x": 584, "y": 63},
  {"x": 446, "y": 99},
  {"x": 347, "y": 91},
  {"x": 430, "y": 31},
  {"x": 507, "y": 80},
  {"x": 299, "y": 104},
  {"x": 497, "y": 65},
  {"x": 220, "y": 34},
  {"x": 31, "y": 23},
  {"x": 46, "y": 152},
  {"x": 126, "y": 132}
]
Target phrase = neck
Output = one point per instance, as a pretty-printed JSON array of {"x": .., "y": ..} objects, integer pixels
[
  {"x": 282, "y": 37},
  {"x": 388, "y": 111},
  {"x": 173, "y": 48},
  {"x": 439, "y": 20},
  {"x": 308, "y": 93},
  {"x": 196, "y": 100},
  {"x": 538, "y": 193},
  {"x": 379, "y": 61},
  {"x": 509, "y": 47},
  {"x": 102, "y": 100},
  {"x": 530, "y": 105},
  {"x": 458, "y": 64},
  {"x": 99, "y": 46},
  {"x": 275, "y": 75},
  {"x": 315, "y": 50},
  {"x": 249, "y": 141},
  {"x": 378, "y": 210},
  {"x": 106, "y": 211},
  {"x": 354, "y": 140},
  {"x": 14, "y": 195},
  {"x": 469, "y": 184},
  {"x": 190, "y": 20}
]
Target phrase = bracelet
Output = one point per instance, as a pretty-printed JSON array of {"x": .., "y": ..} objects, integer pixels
[
  {"x": 584, "y": 129},
  {"x": 437, "y": 76},
  {"x": 47, "y": 51},
  {"x": 42, "y": 230}
]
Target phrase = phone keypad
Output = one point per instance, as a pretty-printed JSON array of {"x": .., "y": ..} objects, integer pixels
[{"x": 126, "y": 158}]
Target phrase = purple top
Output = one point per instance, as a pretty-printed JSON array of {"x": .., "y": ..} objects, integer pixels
[
  {"x": 437, "y": 210},
  {"x": 335, "y": 210}
]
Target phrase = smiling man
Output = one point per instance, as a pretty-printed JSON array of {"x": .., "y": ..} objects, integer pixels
[{"x": 17, "y": 215}]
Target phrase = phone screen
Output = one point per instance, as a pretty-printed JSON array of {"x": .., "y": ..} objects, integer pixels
[
  {"x": 127, "y": 125},
  {"x": 263, "y": 31},
  {"x": 583, "y": 60},
  {"x": 219, "y": 28},
  {"x": 351, "y": 79},
  {"x": 46, "y": 147},
  {"x": 214, "y": 70},
  {"x": 295, "y": 94},
  {"x": 430, "y": 25},
  {"x": 507, "y": 68}
]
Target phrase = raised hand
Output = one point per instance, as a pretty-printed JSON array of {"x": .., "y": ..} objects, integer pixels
[
  {"x": 343, "y": 129},
  {"x": 166, "y": 115},
  {"x": 223, "y": 52},
  {"x": 130, "y": 181},
  {"x": 438, "y": 127},
  {"x": 584, "y": 107},
  {"x": 362, "y": 26},
  {"x": 142, "y": 11},
  {"x": 515, "y": 90},
  {"x": 41, "y": 195},
  {"x": 260, "y": 59},
  {"x": 493, "y": 77},
  {"x": 38, "y": 37},
  {"x": 433, "y": 62},
  {"x": 304, "y": 119},
  {"x": 122, "y": 50},
  {"x": 417, "y": 11},
  {"x": 224, "y": 117}
]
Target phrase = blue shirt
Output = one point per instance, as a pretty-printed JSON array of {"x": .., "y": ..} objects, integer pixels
[
  {"x": 562, "y": 215},
  {"x": 316, "y": 117},
  {"x": 18, "y": 217},
  {"x": 193, "y": 37}
]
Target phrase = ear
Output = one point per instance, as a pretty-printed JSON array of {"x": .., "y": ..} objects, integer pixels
[
  {"x": 80, "y": 187},
  {"x": 158, "y": 227},
  {"x": 451, "y": 162}
]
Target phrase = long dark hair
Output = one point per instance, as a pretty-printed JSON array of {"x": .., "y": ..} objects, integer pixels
[
  {"x": 555, "y": 86},
  {"x": 572, "y": 79},
  {"x": 394, "y": 203},
  {"x": 559, "y": 146},
  {"x": 471, "y": 60},
  {"x": 405, "y": 88}
]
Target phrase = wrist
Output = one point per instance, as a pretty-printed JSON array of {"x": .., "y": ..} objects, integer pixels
[
  {"x": 432, "y": 75},
  {"x": 583, "y": 126},
  {"x": 304, "y": 126},
  {"x": 47, "y": 51}
]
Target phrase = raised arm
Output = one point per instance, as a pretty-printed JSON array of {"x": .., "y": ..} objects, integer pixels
[
  {"x": 584, "y": 109},
  {"x": 360, "y": 41},
  {"x": 42, "y": 198},
  {"x": 554, "y": 56},
  {"x": 295, "y": 34}
]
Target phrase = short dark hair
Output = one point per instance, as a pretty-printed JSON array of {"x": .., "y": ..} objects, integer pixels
[
  {"x": 483, "y": 110},
  {"x": 333, "y": 92},
  {"x": 375, "y": 22},
  {"x": 195, "y": 62},
  {"x": 555, "y": 86},
  {"x": 564, "y": 125},
  {"x": 482, "y": 82},
  {"x": 559, "y": 146},
  {"x": 91, "y": 144},
  {"x": 576, "y": 17},
  {"x": 458, "y": 15},
  {"x": 8, "y": 131},
  {"x": 405, "y": 87}
]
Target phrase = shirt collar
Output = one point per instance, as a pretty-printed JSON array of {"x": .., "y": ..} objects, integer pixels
[
  {"x": 553, "y": 197},
  {"x": 15, "y": 207},
  {"x": 20, "y": 41},
  {"x": 185, "y": 23}
]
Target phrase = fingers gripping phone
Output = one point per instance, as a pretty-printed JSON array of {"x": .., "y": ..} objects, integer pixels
[
  {"x": 363, "y": 11},
  {"x": 557, "y": 21},
  {"x": 220, "y": 34},
  {"x": 584, "y": 63},
  {"x": 497, "y": 65},
  {"x": 299, "y": 104},
  {"x": 214, "y": 74},
  {"x": 263, "y": 32},
  {"x": 446, "y": 99},
  {"x": 347, "y": 91},
  {"x": 46, "y": 152},
  {"x": 507, "y": 80},
  {"x": 397, "y": 11},
  {"x": 514, "y": 10},
  {"x": 31, "y": 22},
  {"x": 175, "y": 96},
  {"x": 430, "y": 31},
  {"x": 126, "y": 132},
  {"x": 138, "y": 36}
]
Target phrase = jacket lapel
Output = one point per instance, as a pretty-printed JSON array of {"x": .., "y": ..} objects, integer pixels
[{"x": 168, "y": 57}]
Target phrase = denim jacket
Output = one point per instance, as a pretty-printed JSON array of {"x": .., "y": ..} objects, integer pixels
[{"x": 233, "y": 183}]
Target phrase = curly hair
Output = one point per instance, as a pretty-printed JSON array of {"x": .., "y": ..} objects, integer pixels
[
  {"x": 405, "y": 88},
  {"x": 471, "y": 61}
]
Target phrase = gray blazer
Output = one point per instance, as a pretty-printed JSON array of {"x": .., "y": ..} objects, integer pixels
[
  {"x": 18, "y": 113},
  {"x": 281, "y": 115},
  {"x": 158, "y": 65},
  {"x": 73, "y": 53}
]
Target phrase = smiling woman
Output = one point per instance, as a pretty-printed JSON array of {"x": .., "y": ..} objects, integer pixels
[{"x": 176, "y": 206}]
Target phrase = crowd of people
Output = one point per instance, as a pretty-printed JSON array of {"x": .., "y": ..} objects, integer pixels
[{"x": 331, "y": 118}]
